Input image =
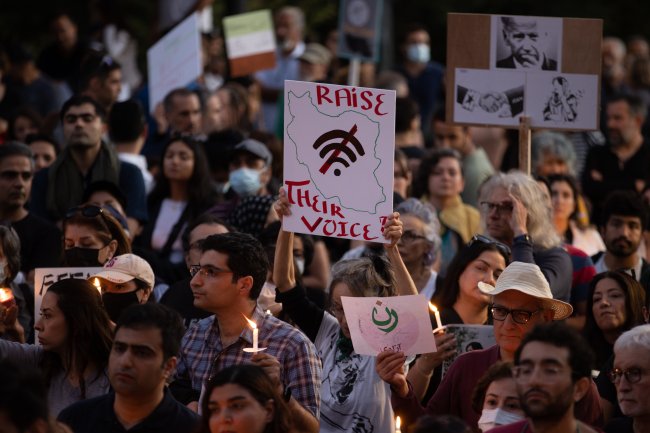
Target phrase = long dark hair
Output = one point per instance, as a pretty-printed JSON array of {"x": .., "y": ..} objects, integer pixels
[
  {"x": 449, "y": 291},
  {"x": 258, "y": 384},
  {"x": 200, "y": 193},
  {"x": 89, "y": 332},
  {"x": 427, "y": 166},
  {"x": 634, "y": 302}
]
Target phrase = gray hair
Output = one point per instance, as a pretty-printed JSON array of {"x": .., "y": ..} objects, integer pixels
[
  {"x": 428, "y": 216},
  {"x": 556, "y": 144},
  {"x": 296, "y": 13},
  {"x": 365, "y": 276},
  {"x": 525, "y": 188},
  {"x": 637, "y": 337}
]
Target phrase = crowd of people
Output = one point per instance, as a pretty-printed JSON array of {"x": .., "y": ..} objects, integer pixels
[{"x": 180, "y": 206}]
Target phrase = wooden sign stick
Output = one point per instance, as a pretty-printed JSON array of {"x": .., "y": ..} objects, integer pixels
[{"x": 524, "y": 144}]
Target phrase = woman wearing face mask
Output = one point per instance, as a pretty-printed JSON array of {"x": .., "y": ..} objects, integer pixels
[
  {"x": 495, "y": 398},
  {"x": 183, "y": 191},
  {"x": 92, "y": 236},
  {"x": 75, "y": 339},
  {"x": 353, "y": 397},
  {"x": 242, "y": 399},
  {"x": 125, "y": 280}
]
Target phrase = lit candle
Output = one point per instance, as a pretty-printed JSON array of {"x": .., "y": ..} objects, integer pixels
[
  {"x": 7, "y": 297},
  {"x": 268, "y": 312},
  {"x": 97, "y": 284},
  {"x": 437, "y": 314},
  {"x": 253, "y": 325},
  {"x": 398, "y": 423}
]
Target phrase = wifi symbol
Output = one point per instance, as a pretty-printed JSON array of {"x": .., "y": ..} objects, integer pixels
[{"x": 336, "y": 148}]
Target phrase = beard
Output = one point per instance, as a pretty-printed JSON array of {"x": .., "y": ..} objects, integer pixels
[
  {"x": 621, "y": 247},
  {"x": 554, "y": 409}
]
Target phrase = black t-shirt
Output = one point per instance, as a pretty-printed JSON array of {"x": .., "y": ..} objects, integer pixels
[
  {"x": 179, "y": 297},
  {"x": 40, "y": 243},
  {"x": 96, "y": 415}
]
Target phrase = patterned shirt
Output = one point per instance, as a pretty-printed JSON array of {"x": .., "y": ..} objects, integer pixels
[{"x": 202, "y": 355}]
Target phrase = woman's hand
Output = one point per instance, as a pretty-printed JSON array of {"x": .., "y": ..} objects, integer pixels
[
  {"x": 9, "y": 324},
  {"x": 518, "y": 216},
  {"x": 393, "y": 229},
  {"x": 390, "y": 367},
  {"x": 281, "y": 205}
]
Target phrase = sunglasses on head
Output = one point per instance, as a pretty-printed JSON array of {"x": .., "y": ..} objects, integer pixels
[
  {"x": 88, "y": 211},
  {"x": 503, "y": 248}
]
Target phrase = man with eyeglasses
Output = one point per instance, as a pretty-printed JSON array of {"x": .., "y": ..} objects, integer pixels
[
  {"x": 631, "y": 376},
  {"x": 552, "y": 371},
  {"x": 521, "y": 299},
  {"x": 40, "y": 240},
  {"x": 226, "y": 282},
  {"x": 86, "y": 159}
]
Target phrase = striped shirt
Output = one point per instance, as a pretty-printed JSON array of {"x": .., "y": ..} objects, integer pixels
[{"x": 203, "y": 355}]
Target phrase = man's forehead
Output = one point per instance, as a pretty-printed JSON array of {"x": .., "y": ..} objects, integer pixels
[
  {"x": 202, "y": 231},
  {"x": 624, "y": 218},
  {"x": 16, "y": 161},
  {"x": 143, "y": 336},
  {"x": 522, "y": 25},
  {"x": 541, "y": 351},
  {"x": 85, "y": 108}
]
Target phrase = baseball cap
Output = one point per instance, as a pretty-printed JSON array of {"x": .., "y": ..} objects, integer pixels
[
  {"x": 316, "y": 54},
  {"x": 528, "y": 278},
  {"x": 256, "y": 148},
  {"x": 127, "y": 267}
]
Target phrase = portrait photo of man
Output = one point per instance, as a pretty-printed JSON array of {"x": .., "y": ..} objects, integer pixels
[{"x": 527, "y": 43}]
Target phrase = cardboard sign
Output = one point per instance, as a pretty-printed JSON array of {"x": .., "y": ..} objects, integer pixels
[
  {"x": 250, "y": 42},
  {"x": 339, "y": 145},
  {"x": 358, "y": 35},
  {"x": 399, "y": 323},
  {"x": 175, "y": 60},
  {"x": 547, "y": 69},
  {"x": 468, "y": 338},
  {"x": 45, "y": 277}
]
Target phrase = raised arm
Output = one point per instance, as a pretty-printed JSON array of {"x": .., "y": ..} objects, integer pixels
[{"x": 393, "y": 230}]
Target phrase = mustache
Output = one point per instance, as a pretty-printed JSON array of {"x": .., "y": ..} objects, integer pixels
[{"x": 536, "y": 390}]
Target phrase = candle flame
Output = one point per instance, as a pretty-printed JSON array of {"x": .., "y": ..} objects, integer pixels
[
  {"x": 252, "y": 324},
  {"x": 6, "y": 295},
  {"x": 398, "y": 423},
  {"x": 96, "y": 283},
  {"x": 432, "y": 307},
  {"x": 268, "y": 312}
]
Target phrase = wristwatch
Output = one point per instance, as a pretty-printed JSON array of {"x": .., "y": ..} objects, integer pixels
[
  {"x": 286, "y": 395},
  {"x": 523, "y": 238}
]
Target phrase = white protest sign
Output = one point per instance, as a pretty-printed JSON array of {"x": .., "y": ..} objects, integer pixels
[
  {"x": 399, "y": 323},
  {"x": 175, "y": 60},
  {"x": 359, "y": 29},
  {"x": 250, "y": 42},
  {"x": 339, "y": 145},
  {"x": 45, "y": 277}
]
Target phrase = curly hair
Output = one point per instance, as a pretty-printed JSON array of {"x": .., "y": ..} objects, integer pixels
[{"x": 525, "y": 188}]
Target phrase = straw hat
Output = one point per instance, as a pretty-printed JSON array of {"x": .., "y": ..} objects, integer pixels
[{"x": 528, "y": 278}]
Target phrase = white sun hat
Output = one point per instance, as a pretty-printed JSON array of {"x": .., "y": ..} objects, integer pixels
[
  {"x": 528, "y": 278},
  {"x": 124, "y": 268}
]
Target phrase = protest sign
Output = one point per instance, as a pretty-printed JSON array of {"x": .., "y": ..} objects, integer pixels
[
  {"x": 468, "y": 338},
  {"x": 175, "y": 60},
  {"x": 250, "y": 42},
  {"x": 339, "y": 145},
  {"x": 510, "y": 67},
  {"x": 358, "y": 34},
  {"x": 399, "y": 323},
  {"x": 45, "y": 277}
]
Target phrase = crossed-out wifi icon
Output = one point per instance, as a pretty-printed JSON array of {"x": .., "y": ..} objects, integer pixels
[{"x": 334, "y": 149}]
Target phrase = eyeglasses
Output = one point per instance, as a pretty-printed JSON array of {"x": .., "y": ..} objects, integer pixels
[
  {"x": 547, "y": 373},
  {"x": 518, "y": 316},
  {"x": 207, "y": 271},
  {"x": 503, "y": 248},
  {"x": 13, "y": 175},
  {"x": 88, "y": 211},
  {"x": 632, "y": 375},
  {"x": 85, "y": 118},
  {"x": 410, "y": 236},
  {"x": 498, "y": 207}
]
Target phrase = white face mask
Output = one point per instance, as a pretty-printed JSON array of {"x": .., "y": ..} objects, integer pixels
[
  {"x": 491, "y": 418},
  {"x": 245, "y": 181},
  {"x": 300, "y": 265},
  {"x": 419, "y": 53}
]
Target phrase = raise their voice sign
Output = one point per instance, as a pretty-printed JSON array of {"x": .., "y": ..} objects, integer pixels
[
  {"x": 338, "y": 159},
  {"x": 398, "y": 323}
]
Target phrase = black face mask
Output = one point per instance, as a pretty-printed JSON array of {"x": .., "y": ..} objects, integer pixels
[
  {"x": 77, "y": 256},
  {"x": 115, "y": 303}
]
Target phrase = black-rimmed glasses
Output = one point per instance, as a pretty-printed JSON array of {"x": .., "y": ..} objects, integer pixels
[
  {"x": 518, "y": 316},
  {"x": 88, "y": 211},
  {"x": 632, "y": 375}
]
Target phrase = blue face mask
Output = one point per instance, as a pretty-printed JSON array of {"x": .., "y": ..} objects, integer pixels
[
  {"x": 245, "y": 181},
  {"x": 418, "y": 53}
]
